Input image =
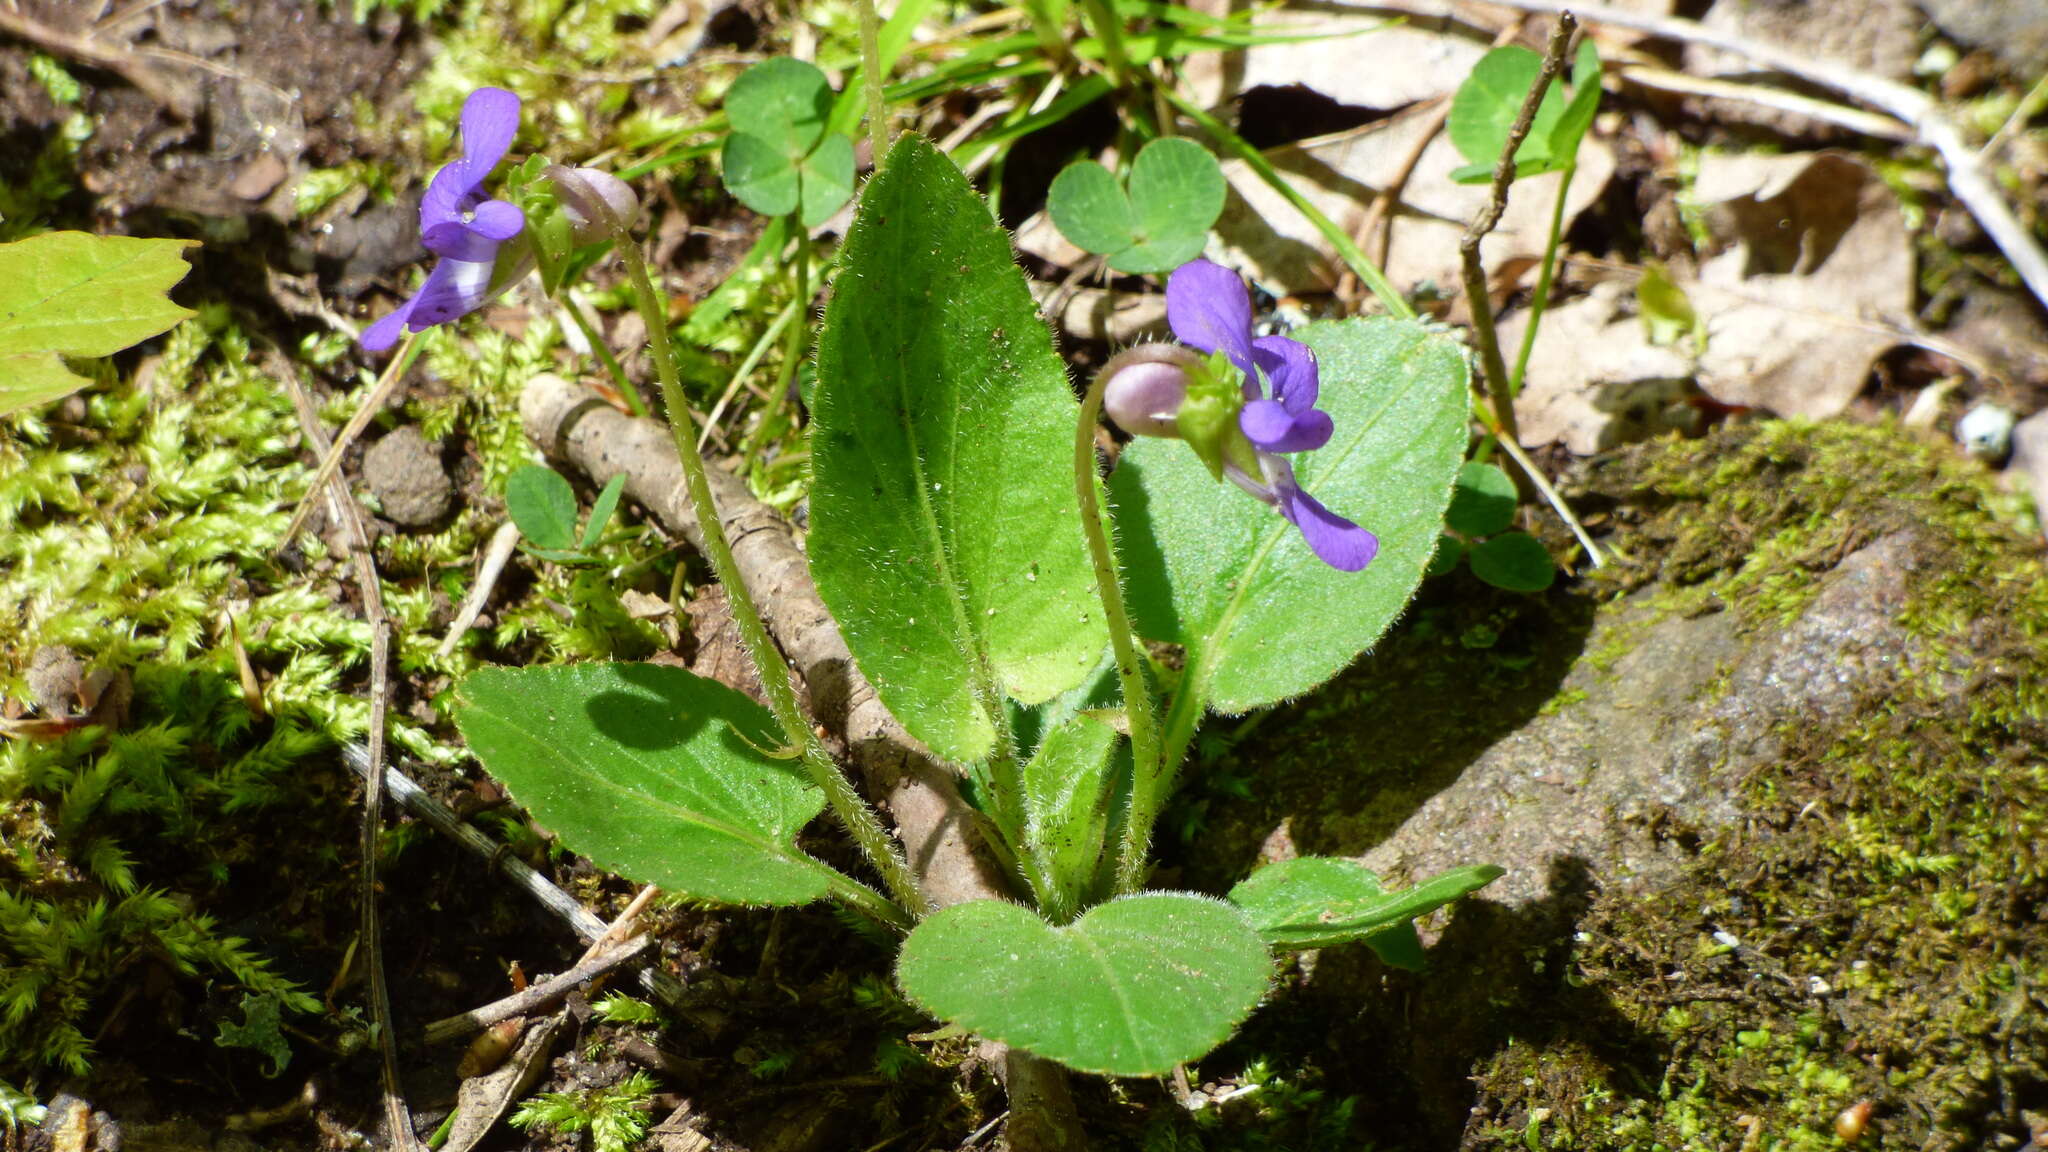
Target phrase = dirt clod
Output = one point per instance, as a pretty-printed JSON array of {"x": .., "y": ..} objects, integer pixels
[{"x": 406, "y": 474}]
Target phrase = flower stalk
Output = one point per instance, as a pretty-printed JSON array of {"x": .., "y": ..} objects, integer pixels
[
  {"x": 847, "y": 804},
  {"x": 1140, "y": 712}
]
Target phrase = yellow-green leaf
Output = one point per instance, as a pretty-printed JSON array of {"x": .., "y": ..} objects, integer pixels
[
  {"x": 33, "y": 378},
  {"x": 76, "y": 294}
]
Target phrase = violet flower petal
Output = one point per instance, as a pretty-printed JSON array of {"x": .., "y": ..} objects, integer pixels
[
  {"x": 1291, "y": 367},
  {"x": 1209, "y": 309},
  {"x": 490, "y": 119},
  {"x": 1336, "y": 541},
  {"x": 1271, "y": 427},
  {"x": 447, "y": 196},
  {"x": 455, "y": 240},
  {"x": 454, "y": 288},
  {"x": 385, "y": 332},
  {"x": 499, "y": 220}
]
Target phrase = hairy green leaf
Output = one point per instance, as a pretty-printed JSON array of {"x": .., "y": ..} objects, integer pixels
[
  {"x": 1213, "y": 569},
  {"x": 1066, "y": 810},
  {"x": 1319, "y": 901},
  {"x": 1133, "y": 988},
  {"x": 652, "y": 772},
  {"x": 946, "y": 536}
]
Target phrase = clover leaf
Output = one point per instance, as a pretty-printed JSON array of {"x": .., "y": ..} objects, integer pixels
[
  {"x": 1491, "y": 97},
  {"x": 1482, "y": 510},
  {"x": 779, "y": 158},
  {"x": 1160, "y": 222}
]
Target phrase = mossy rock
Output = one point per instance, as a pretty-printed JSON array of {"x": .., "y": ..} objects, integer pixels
[{"x": 1772, "y": 796}]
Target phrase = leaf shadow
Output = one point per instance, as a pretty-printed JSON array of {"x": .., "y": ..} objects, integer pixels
[
  {"x": 670, "y": 710},
  {"x": 1343, "y": 767},
  {"x": 1498, "y": 985}
]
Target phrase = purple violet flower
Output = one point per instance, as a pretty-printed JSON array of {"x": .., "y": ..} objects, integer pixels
[
  {"x": 462, "y": 226},
  {"x": 1225, "y": 413}
]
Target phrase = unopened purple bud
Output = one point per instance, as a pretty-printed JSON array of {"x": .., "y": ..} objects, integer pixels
[
  {"x": 1147, "y": 386},
  {"x": 593, "y": 200}
]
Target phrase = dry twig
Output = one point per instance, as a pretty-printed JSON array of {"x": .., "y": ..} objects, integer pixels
[
  {"x": 1967, "y": 179},
  {"x": 1476, "y": 296},
  {"x": 342, "y": 507},
  {"x": 536, "y": 996},
  {"x": 588, "y": 927},
  {"x": 503, "y": 542}
]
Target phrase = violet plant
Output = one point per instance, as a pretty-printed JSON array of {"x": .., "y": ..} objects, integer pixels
[{"x": 1005, "y": 602}]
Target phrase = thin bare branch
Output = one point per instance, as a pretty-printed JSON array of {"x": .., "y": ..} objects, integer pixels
[
  {"x": 342, "y": 507},
  {"x": 1476, "y": 295},
  {"x": 536, "y": 997}
]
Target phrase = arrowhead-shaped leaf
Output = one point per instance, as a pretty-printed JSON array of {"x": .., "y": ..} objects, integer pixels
[
  {"x": 946, "y": 536},
  {"x": 1133, "y": 988},
  {"x": 653, "y": 773},
  {"x": 1319, "y": 901},
  {"x": 1215, "y": 570}
]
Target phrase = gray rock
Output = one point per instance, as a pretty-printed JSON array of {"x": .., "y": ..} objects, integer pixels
[
  {"x": 2015, "y": 30},
  {"x": 1666, "y": 733},
  {"x": 405, "y": 474}
]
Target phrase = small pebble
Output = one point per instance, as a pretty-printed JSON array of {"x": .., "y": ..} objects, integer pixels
[
  {"x": 405, "y": 474},
  {"x": 1986, "y": 431}
]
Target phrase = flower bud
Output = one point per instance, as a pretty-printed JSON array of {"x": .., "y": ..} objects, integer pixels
[
  {"x": 1147, "y": 386},
  {"x": 592, "y": 200}
]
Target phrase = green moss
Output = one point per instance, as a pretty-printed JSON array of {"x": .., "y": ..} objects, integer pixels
[{"x": 1884, "y": 888}]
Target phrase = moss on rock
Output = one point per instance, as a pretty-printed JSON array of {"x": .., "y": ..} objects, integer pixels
[{"x": 1859, "y": 921}]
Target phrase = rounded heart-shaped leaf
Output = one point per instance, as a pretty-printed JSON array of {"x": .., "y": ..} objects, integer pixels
[
  {"x": 1515, "y": 561},
  {"x": 1089, "y": 209},
  {"x": 783, "y": 102},
  {"x": 758, "y": 174},
  {"x": 1160, "y": 255},
  {"x": 1133, "y": 988},
  {"x": 827, "y": 179},
  {"x": 1483, "y": 502},
  {"x": 1177, "y": 190}
]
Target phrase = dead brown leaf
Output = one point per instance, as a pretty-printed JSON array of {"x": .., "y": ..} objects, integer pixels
[
  {"x": 1795, "y": 308},
  {"x": 1594, "y": 380},
  {"x": 1263, "y": 235}
]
